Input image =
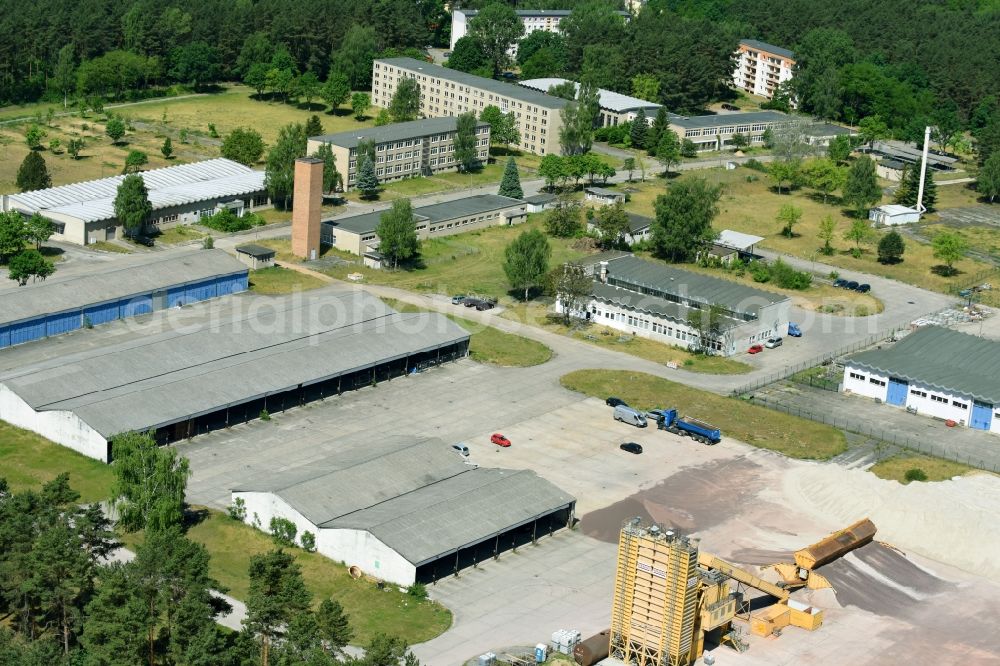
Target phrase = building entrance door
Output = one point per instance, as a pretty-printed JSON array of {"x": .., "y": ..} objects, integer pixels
[
  {"x": 982, "y": 416},
  {"x": 897, "y": 392}
]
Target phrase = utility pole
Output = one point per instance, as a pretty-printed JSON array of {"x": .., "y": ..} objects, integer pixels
[{"x": 923, "y": 171}]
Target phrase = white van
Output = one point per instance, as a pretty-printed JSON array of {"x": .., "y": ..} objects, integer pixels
[{"x": 626, "y": 414}]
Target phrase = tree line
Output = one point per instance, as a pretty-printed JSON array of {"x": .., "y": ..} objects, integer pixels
[{"x": 68, "y": 597}]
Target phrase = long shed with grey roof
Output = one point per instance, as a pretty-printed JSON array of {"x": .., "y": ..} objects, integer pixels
[
  {"x": 682, "y": 308},
  {"x": 131, "y": 287},
  {"x": 933, "y": 371},
  {"x": 84, "y": 212},
  {"x": 412, "y": 513},
  {"x": 203, "y": 376}
]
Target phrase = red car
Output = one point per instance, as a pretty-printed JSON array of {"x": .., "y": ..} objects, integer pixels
[
  {"x": 499, "y": 440},
  {"x": 755, "y": 349}
]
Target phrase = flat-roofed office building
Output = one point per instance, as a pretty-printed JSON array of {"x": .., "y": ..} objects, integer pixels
[{"x": 448, "y": 92}]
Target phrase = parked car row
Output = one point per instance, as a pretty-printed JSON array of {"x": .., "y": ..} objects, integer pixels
[
  {"x": 862, "y": 288},
  {"x": 474, "y": 302}
]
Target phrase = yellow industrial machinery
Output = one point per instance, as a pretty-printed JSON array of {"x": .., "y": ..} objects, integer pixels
[
  {"x": 669, "y": 596},
  {"x": 827, "y": 549}
]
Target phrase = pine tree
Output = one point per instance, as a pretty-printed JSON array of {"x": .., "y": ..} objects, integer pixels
[
  {"x": 510, "y": 185},
  {"x": 367, "y": 181},
  {"x": 909, "y": 187},
  {"x": 276, "y": 595},
  {"x": 334, "y": 627},
  {"x": 639, "y": 129},
  {"x": 33, "y": 174},
  {"x": 314, "y": 127},
  {"x": 167, "y": 149}
]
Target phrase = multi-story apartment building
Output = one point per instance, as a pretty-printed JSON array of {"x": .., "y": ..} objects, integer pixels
[
  {"x": 448, "y": 92},
  {"x": 533, "y": 19},
  {"x": 402, "y": 150},
  {"x": 760, "y": 67}
]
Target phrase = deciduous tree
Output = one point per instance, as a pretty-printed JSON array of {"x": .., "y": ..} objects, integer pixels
[
  {"x": 279, "y": 169},
  {"x": 683, "y": 223},
  {"x": 949, "y": 247},
  {"x": 526, "y": 261},
  {"x": 497, "y": 28},
  {"x": 38, "y": 229},
  {"x": 359, "y": 105},
  {"x": 115, "y": 129},
  {"x": 29, "y": 265},
  {"x": 788, "y": 217},
  {"x": 827, "y": 230},
  {"x": 563, "y": 220},
  {"x": 132, "y": 206},
  {"x": 668, "y": 150},
  {"x": 861, "y": 233},
  {"x": 13, "y": 234},
  {"x": 134, "y": 161},
  {"x": 355, "y": 56},
  {"x": 33, "y": 174},
  {"x": 469, "y": 56},
  {"x": 397, "y": 233},
  {"x": 503, "y": 126},
  {"x": 891, "y": 248},
  {"x": 307, "y": 87},
  {"x": 572, "y": 286},
  {"x": 612, "y": 223},
  {"x": 465, "y": 143},
  {"x": 552, "y": 168},
  {"x": 336, "y": 90},
  {"x": 243, "y": 145},
  {"x": 405, "y": 103},
  {"x": 824, "y": 175},
  {"x": 148, "y": 490},
  {"x": 839, "y": 148},
  {"x": 34, "y": 136},
  {"x": 331, "y": 178},
  {"x": 988, "y": 179}
]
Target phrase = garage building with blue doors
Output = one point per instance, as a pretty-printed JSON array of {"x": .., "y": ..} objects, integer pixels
[
  {"x": 129, "y": 289},
  {"x": 934, "y": 372}
]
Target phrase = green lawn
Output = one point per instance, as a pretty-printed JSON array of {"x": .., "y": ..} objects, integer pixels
[
  {"x": 278, "y": 280},
  {"x": 28, "y": 460},
  {"x": 105, "y": 246},
  {"x": 180, "y": 233},
  {"x": 468, "y": 263},
  {"x": 936, "y": 469},
  {"x": 491, "y": 345},
  {"x": 231, "y": 545},
  {"x": 793, "y": 436},
  {"x": 751, "y": 207}
]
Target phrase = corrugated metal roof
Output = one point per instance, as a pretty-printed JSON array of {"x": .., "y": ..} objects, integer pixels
[
  {"x": 941, "y": 358},
  {"x": 729, "y": 119},
  {"x": 737, "y": 239},
  {"x": 394, "y": 132},
  {"x": 770, "y": 48},
  {"x": 420, "y": 499},
  {"x": 170, "y": 377},
  {"x": 447, "y": 210},
  {"x": 696, "y": 287},
  {"x": 127, "y": 278},
  {"x": 652, "y": 304},
  {"x": 607, "y": 99},
  {"x": 183, "y": 184},
  {"x": 497, "y": 87}
]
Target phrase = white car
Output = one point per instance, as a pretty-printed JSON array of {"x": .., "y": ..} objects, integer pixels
[{"x": 772, "y": 343}]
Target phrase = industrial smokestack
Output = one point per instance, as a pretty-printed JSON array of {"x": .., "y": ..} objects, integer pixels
[
  {"x": 604, "y": 272},
  {"x": 306, "y": 207},
  {"x": 923, "y": 171}
]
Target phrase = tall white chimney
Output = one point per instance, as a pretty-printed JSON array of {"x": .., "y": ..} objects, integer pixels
[
  {"x": 923, "y": 171},
  {"x": 604, "y": 272}
]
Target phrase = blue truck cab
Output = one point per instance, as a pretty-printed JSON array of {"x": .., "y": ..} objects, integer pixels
[
  {"x": 794, "y": 330},
  {"x": 667, "y": 419}
]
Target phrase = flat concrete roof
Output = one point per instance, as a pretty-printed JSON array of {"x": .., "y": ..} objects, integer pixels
[
  {"x": 120, "y": 280},
  {"x": 420, "y": 499},
  {"x": 940, "y": 358},
  {"x": 727, "y": 119},
  {"x": 770, "y": 48},
  {"x": 159, "y": 379},
  {"x": 496, "y": 87},
  {"x": 447, "y": 210},
  {"x": 258, "y": 251},
  {"x": 394, "y": 132}
]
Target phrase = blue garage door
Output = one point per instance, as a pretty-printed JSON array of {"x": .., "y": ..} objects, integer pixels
[
  {"x": 231, "y": 284},
  {"x": 101, "y": 314},
  {"x": 982, "y": 416},
  {"x": 27, "y": 331},
  {"x": 897, "y": 392},
  {"x": 64, "y": 322},
  {"x": 202, "y": 291},
  {"x": 176, "y": 297},
  {"x": 135, "y": 306},
  {"x": 4, "y": 337}
]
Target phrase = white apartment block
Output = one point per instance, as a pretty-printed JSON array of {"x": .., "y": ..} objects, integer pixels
[
  {"x": 760, "y": 67},
  {"x": 447, "y": 92},
  {"x": 533, "y": 19}
]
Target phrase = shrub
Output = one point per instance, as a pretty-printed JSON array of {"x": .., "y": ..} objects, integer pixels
[
  {"x": 265, "y": 415},
  {"x": 238, "y": 509},
  {"x": 417, "y": 590},
  {"x": 283, "y": 532},
  {"x": 915, "y": 474},
  {"x": 756, "y": 165},
  {"x": 227, "y": 221},
  {"x": 788, "y": 278},
  {"x": 208, "y": 242},
  {"x": 308, "y": 541},
  {"x": 759, "y": 271}
]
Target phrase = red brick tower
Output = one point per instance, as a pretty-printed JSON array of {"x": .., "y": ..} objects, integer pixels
[{"x": 308, "y": 198}]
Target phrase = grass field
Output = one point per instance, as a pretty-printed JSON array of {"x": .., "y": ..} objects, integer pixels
[
  {"x": 469, "y": 263},
  {"x": 751, "y": 207},
  {"x": 181, "y": 233},
  {"x": 278, "y": 280},
  {"x": 28, "y": 460},
  {"x": 488, "y": 344},
  {"x": 105, "y": 246},
  {"x": 538, "y": 314},
  {"x": 936, "y": 469},
  {"x": 227, "y": 110},
  {"x": 790, "y": 435},
  {"x": 231, "y": 544}
]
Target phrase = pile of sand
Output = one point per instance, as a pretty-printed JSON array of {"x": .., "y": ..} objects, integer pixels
[{"x": 950, "y": 521}]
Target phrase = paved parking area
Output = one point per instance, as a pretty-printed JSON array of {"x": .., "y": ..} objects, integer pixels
[{"x": 971, "y": 215}]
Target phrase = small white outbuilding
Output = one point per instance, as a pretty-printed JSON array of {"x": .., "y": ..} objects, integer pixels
[{"x": 893, "y": 214}]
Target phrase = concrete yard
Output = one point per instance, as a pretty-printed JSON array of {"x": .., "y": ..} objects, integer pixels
[{"x": 746, "y": 504}]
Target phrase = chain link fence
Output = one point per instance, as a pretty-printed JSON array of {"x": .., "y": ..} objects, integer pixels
[{"x": 873, "y": 432}]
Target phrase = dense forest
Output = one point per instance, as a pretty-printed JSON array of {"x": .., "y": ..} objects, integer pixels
[{"x": 901, "y": 63}]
